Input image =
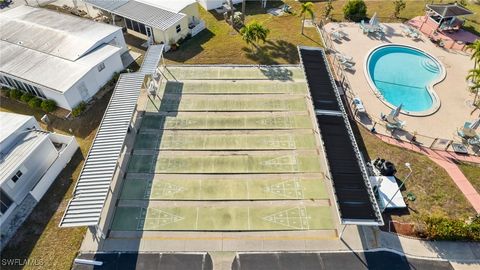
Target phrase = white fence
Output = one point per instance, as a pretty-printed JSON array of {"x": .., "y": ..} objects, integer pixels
[{"x": 198, "y": 28}]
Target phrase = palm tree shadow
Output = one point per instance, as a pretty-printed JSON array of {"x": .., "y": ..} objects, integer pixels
[{"x": 272, "y": 52}]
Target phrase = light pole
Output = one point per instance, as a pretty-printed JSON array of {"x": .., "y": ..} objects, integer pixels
[{"x": 400, "y": 187}]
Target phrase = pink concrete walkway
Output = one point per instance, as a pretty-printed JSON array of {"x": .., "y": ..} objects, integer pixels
[{"x": 445, "y": 160}]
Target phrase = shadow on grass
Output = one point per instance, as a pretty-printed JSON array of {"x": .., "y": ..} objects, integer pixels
[
  {"x": 25, "y": 239},
  {"x": 191, "y": 47},
  {"x": 272, "y": 51}
]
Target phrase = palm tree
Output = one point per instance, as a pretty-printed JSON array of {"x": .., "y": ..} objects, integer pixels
[
  {"x": 306, "y": 8},
  {"x": 474, "y": 77},
  {"x": 475, "y": 48},
  {"x": 253, "y": 32}
]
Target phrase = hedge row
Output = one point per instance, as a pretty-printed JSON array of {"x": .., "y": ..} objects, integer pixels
[
  {"x": 443, "y": 228},
  {"x": 48, "y": 105}
]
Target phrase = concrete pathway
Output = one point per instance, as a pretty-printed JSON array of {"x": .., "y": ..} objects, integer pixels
[{"x": 446, "y": 160}]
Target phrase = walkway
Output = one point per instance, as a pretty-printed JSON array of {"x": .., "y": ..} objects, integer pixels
[{"x": 446, "y": 160}]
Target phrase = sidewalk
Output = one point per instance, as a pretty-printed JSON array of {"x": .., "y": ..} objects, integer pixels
[
  {"x": 446, "y": 160},
  {"x": 455, "y": 251}
]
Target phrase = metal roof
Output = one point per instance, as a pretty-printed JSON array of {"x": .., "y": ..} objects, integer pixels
[
  {"x": 148, "y": 14},
  {"x": 52, "y": 33},
  {"x": 450, "y": 10},
  {"x": 91, "y": 190},
  {"x": 19, "y": 151}
]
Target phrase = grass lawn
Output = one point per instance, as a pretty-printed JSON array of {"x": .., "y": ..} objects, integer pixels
[
  {"x": 472, "y": 172},
  {"x": 221, "y": 44},
  {"x": 435, "y": 192},
  {"x": 40, "y": 238}
]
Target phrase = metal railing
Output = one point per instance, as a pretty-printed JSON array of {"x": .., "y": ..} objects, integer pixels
[{"x": 349, "y": 94}]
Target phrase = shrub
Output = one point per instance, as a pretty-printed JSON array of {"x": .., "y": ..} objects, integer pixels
[
  {"x": 35, "y": 103},
  {"x": 16, "y": 94},
  {"x": 442, "y": 228},
  {"x": 26, "y": 97},
  {"x": 79, "y": 109},
  {"x": 355, "y": 10},
  {"x": 49, "y": 105},
  {"x": 6, "y": 92}
]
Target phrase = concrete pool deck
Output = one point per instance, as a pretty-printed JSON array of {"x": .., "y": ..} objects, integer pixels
[{"x": 455, "y": 108}]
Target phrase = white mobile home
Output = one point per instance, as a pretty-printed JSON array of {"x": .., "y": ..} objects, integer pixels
[
  {"x": 213, "y": 4},
  {"x": 57, "y": 56},
  {"x": 30, "y": 160},
  {"x": 158, "y": 21}
]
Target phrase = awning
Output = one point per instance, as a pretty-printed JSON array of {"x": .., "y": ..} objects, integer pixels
[
  {"x": 93, "y": 184},
  {"x": 449, "y": 10},
  {"x": 149, "y": 15}
]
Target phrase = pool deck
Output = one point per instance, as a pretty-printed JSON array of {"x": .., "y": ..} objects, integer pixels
[{"x": 453, "y": 92}]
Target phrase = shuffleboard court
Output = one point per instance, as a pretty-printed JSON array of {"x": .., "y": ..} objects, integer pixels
[
  {"x": 232, "y": 87},
  {"x": 234, "y": 72},
  {"x": 175, "y": 162},
  {"x": 178, "y": 140},
  {"x": 224, "y": 121},
  {"x": 226, "y": 103},
  {"x": 295, "y": 188},
  {"x": 272, "y": 218}
]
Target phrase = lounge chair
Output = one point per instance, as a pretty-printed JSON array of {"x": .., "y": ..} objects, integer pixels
[
  {"x": 474, "y": 141},
  {"x": 358, "y": 105},
  {"x": 343, "y": 58},
  {"x": 347, "y": 66}
]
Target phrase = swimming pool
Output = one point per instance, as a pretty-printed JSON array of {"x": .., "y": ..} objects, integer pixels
[{"x": 405, "y": 75}]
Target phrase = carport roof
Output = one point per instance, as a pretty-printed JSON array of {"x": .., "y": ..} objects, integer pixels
[
  {"x": 153, "y": 16},
  {"x": 93, "y": 184}
]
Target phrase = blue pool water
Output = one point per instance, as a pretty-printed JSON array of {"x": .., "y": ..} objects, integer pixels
[{"x": 402, "y": 74}]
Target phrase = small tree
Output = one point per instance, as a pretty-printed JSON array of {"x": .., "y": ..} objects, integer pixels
[
  {"x": 253, "y": 32},
  {"x": 474, "y": 77},
  {"x": 26, "y": 97},
  {"x": 475, "y": 48},
  {"x": 355, "y": 10},
  {"x": 307, "y": 8},
  {"x": 399, "y": 5},
  {"x": 16, "y": 94},
  {"x": 49, "y": 105},
  {"x": 328, "y": 9}
]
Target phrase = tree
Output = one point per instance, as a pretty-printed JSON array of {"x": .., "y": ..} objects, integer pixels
[
  {"x": 399, "y": 5},
  {"x": 474, "y": 77},
  {"x": 328, "y": 9},
  {"x": 355, "y": 10},
  {"x": 254, "y": 32},
  {"x": 307, "y": 8},
  {"x": 475, "y": 48}
]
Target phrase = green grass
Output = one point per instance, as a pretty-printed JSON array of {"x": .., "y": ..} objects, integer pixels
[
  {"x": 384, "y": 10},
  {"x": 298, "y": 188},
  {"x": 223, "y": 218},
  {"x": 214, "y": 141},
  {"x": 435, "y": 191},
  {"x": 472, "y": 172},
  {"x": 220, "y": 44}
]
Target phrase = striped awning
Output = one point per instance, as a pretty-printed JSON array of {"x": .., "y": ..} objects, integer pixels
[{"x": 93, "y": 184}]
